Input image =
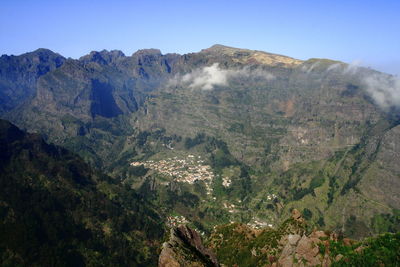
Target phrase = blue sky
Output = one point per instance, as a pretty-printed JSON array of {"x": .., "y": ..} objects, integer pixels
[{"x": 366, "y": 31}]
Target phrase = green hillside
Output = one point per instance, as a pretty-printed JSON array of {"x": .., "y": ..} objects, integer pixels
[{"x": 56, "y": 210}]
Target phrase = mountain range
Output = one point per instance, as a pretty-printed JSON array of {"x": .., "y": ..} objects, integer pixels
[{"x": 209, "y": 138}]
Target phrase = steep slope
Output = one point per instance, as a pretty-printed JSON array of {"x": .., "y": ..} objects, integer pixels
[
  {"x": 92, "y": 97},
  {"x": 18, "y": 75},
  {"x": 257, "y": 106},
  {"x": 333, "y": 191},
  {"x": 56, "y": 210},
  {"x": 267, "y": 115},
  {"x": 185, "y": 248},
  {"x": 268, "y": 132}
]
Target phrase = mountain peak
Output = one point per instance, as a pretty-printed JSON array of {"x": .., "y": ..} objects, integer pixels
[
  {"x": 219, "y": 48},
  {"x": 150, "y": 51},
  {"x": 43, "y": 50},
  {"x": 103, "y": 57},
  {"x": 43, "y": 53},
  {"x": 247, "y": 56}
]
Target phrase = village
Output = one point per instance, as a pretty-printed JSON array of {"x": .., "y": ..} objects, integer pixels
[
  {"x": 173, "y": 221},
  {"x": 256, "y": 224},
  {"x": 190, "y": 169}
]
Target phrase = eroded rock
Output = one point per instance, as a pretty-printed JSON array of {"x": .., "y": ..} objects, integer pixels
[{"x": 185, "y": 248}]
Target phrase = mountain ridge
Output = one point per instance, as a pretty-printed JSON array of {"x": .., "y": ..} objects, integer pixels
[{"x": 274, "y": 136}]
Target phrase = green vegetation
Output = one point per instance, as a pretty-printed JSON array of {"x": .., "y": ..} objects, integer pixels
[
  {"x": 199, "y": 139},
  {"x": 240, "y": 244},
  {"x": 307, "y": 214},
  {"x": 386, "y": 222},
  {"x": 56, "y": 210},
  {"x": 383, "y": 250}
]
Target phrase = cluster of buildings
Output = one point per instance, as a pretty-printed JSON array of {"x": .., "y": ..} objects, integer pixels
[
  {"x": 226, "y": 181},
  {"x": 187, "y": 170},
  {"x": 230, "y": 207},
  {"x": 259, "y": 224},
  {"x": 176, "y": 220}
]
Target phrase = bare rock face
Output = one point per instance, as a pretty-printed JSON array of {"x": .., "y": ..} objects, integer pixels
[
  {"x": 318, "y": 234},
  {"x": 293, "y": 239},
  {"x": 185, "y": 248},
  {"x": 307, "y": 249},
  {"x": 296, "y": 215},
  {"x": 168, "y": 257},
  {"x": 303, "y": 250}
]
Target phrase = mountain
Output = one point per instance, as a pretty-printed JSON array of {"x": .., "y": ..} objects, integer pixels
[
  {"x": 228, "y": 134},
  {"x": 56, "y": 210},
  {"x": 18, "y": 75}
]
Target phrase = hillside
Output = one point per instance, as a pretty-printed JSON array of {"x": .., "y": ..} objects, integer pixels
[
  {"x": 19, "y": 74},
  {"x": 228, "y": 134},
  {"x": 56, "y": 210}
]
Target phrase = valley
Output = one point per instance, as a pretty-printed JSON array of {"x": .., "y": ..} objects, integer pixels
[{"x": 223, "y": 141}]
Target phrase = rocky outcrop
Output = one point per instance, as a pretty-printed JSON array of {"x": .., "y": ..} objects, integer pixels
[
  {"x": 185, "y": 248},
  {"x": 296, "y": 215},
  {"x": 303, "y": 251},
  {"x": 300, "y": 249},
  {"x": 103, "y": 57}
]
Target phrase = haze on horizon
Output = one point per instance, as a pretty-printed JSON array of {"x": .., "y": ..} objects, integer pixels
[{"x": 356, "y": 31}]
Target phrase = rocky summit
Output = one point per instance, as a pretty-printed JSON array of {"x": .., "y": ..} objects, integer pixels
[
  {"x": 185, "y": 248},
  {"x": 224, "y": 137}
]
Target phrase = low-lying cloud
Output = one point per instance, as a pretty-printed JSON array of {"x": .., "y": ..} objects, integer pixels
[
  {"x": 384, "y": 89},
  {"x": 353, "y": 67},
  {"x": 207, "y": 78},
  {"x": 310, "y": 68}
]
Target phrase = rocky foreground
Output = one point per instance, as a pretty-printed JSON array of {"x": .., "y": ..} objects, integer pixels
[
  {"x": 291, "y": 245},
  {"x": 185, "y": 248}
]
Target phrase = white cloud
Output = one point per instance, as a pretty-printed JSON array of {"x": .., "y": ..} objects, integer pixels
[
  {"x": 310, "y": 68},
  {"x": 353, "y": 67},
  {"x": 208, "y": 77},
  {"x": 384, "y": 89},
  {"x": 333, "y": 67}
]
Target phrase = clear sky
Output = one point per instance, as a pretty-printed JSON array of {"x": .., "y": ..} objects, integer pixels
[{"x": 366, "y": 31}]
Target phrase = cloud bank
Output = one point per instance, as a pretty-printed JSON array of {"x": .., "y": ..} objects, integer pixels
[
  {"x": 207, "y": 78},
  {"x": 384, "y": 90}
]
